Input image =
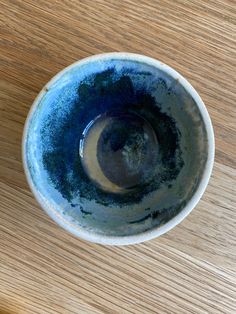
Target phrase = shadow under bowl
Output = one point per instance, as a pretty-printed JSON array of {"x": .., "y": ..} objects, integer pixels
[{"x": 118, "y": 148}]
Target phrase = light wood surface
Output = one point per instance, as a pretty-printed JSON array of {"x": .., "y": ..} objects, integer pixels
[{"x": 43, "y": 269}]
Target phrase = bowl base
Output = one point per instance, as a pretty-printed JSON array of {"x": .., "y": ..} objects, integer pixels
[{"x": 118, "y": 151}]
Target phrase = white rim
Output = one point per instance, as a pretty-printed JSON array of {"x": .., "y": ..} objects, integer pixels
[{"x": 147, "y": 235}]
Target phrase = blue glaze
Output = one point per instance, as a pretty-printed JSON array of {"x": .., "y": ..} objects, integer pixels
[{"x": 125, "y": 89}]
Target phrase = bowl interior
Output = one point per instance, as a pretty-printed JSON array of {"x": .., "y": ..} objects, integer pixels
[{"x": 115, "y": 147}]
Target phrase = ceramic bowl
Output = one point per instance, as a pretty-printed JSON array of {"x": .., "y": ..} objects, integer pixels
[{"x": 118, "y": 148}]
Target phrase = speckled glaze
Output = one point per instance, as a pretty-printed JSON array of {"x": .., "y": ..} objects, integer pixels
[{"x": 118, "y": 148}]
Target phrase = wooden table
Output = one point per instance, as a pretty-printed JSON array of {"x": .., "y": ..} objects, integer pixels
[{"x": 43, "y": 269}]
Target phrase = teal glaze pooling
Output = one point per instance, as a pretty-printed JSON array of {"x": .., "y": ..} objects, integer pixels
[
  {"x": 57, "y": 125},
  {"x": 61, "y": 154}
]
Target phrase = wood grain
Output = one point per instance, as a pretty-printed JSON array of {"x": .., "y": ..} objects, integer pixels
[{"x": 43, "y": 269}]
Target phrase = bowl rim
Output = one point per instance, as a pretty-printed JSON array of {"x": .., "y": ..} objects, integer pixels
[{"x": 156, "y": 231}]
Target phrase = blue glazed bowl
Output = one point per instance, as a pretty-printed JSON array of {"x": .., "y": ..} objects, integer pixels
[{"x": 118, "y": 148}]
